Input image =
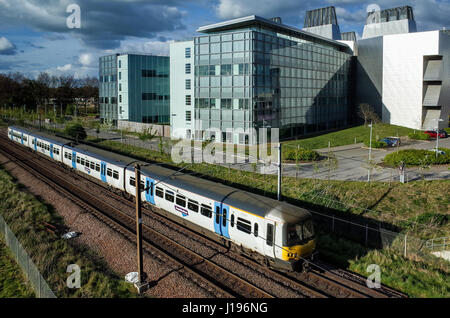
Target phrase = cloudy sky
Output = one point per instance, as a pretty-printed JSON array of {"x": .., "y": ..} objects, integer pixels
[{"x": 35, "y": 37}]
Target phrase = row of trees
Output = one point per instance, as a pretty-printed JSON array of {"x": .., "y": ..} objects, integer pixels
[{"x": 47, "y": 92}]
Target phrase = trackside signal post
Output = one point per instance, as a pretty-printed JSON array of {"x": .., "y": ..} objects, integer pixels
[{"x": 141, "y": 285}]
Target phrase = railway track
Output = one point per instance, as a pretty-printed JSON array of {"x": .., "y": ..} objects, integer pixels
[
  {"x": 317, "y": 283},
  {"x": 204, "y": 273}
]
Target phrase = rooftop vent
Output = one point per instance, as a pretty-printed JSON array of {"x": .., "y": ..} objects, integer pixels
[{"x": 322, "y": 16}]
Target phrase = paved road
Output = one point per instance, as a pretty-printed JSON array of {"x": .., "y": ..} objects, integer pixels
[{"x": 351, "y": 166}]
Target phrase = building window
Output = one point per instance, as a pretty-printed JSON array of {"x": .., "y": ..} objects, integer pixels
[
  {"x": 188, "y": 115},
  {"x": 187, "y": 52},
  {"x": 120, "y": 98},
  {"x": 120, "y": 87},
  {"x": 148, "y": 73},
  {"x": 188, "y": 68},
  {"x": 120, "y": 64},
  {"x": 188, "y": 100},
  {"x": 188, "y": 84},
  {"x": 120, "y": 75}
]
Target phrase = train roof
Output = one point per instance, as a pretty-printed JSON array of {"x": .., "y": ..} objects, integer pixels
[
  {"x": 42, "y": 135},
  {"x": 249, "y": 202}
]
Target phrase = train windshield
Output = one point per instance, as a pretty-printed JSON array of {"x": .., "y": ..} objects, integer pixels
[{"x": 300, "y": 233}]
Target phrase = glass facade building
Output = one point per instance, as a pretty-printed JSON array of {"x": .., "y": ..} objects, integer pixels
[
  {"x": 256, "y": 73},
  {"x": 108, "y": 88},
  {"x": 134, "y": 87},
  {"x": 144, "y": 91}
]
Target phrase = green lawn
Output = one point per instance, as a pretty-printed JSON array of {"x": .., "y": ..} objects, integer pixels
[
  {"x": 415, "y": 277},
  {"x": 25, "y": 216},
  {"x": 13, "y": 283},
  {"x": 347, "y": 136}
]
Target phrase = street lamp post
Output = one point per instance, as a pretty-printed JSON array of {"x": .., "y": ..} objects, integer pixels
[
  {"x": 370, "y": 153},
  {"x": 437, "y": 135}
]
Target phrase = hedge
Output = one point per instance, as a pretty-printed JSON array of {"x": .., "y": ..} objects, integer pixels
[
  {"x": 419, "y": 136},
  {"x": 303, "y": 155},
  {"x": 417, "y": 157}
]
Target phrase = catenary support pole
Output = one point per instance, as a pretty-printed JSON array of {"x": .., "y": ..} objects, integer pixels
[
  {"x": 279, "y": 172},
  {"x": 141, "y": 278}
]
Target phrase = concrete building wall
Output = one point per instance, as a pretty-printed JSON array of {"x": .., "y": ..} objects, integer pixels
[
  {"x": 388, "y": 28},
  {"x": 369, "y": 73},
  {"x": 123, "y": 99},
  {"x": 444, "y": 50},
  {"x": 403, "y": 72},
  {"x": 180, "y": 126}
]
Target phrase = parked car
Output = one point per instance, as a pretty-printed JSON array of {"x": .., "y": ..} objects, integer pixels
[
  {"x": 440, "y": 152},
  {"x": 392, "y": 141},
  {"x": 434, "y": 134}
]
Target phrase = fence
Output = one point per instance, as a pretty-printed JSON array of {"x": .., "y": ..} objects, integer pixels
[
  {"x": 374, "y": 236},
  {"x": 38, "y": 283}
]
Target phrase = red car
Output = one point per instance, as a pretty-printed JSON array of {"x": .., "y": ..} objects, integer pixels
[{"x": 433, "y": 133}]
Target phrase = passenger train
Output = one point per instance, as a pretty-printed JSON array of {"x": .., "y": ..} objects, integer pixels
[{"x": 275, "y": 233}]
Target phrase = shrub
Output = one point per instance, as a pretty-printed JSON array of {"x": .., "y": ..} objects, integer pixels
[
  {"x": 417, "y": 157},
  {"x": 75, "y": 131},
  {"x": 303, "y": 155},
  {"x": 375, "y": 144},
  {"x": 419, "y": 136}
]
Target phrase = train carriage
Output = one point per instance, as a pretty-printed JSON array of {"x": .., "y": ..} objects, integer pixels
[
  {"x": 276, "y": 232},
  {"x": 83, "y": 159},
  {"x": 18, "y": 135}
]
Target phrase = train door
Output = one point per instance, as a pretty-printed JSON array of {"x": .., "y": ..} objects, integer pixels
[
  {"x": 51, "y": 151},
  {"x": 217, "y": 214},
  {"x": 269, "y": 246},
  {"x": 35, "y": 144},
  {"x": 74, "y": 159},
  {"x": 221, "y": 219},
  {"x": 149, "y": 192},
  {"x": 21, "y": 138},
  {"x": 103, "y": 171}
]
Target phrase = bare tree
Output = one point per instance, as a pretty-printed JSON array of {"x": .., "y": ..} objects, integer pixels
[{"x": 366, "y": 112}]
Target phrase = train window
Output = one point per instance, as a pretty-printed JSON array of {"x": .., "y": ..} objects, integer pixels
[
  {"x": 255, "y": 229},
  {"x": 269, "y": 240},
  {"x": 132, "y": 181},
  {"x": 92, "y": 165},
  {"x": 193, "y": 205},
  {"x": 159, "y": 192},
  {"x": 25, "y": 138},
  {"x": 181, "y": 201},
  {"x": 244, "y": 225},
  {"x": 116, "y": 174},
  {"x": 65, "y": 155},
  {"x": 169, "y": 196},
  {"x": 97, "y": 167},
  {"x": 151, "y": 188},
  {"x": 78, "y": 159},
  {"x": 109, "y": 172},
  {"x": 224, "y": 217},
  {"x": 87, "y": 163},
  {"x": 206, "y": 211},
  {"x": 232, "y": 220},
  {"x": 82, "y": 161}
]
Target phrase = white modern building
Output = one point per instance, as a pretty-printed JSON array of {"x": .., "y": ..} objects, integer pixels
[
  {"x": 182, "y": 89},
  {"x": 403, "y": 74}
]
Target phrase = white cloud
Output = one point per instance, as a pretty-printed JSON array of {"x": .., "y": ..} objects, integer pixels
[
  {"x": 86, "y": 59},
  {"x": 64, "y": 68},
  {"x": 6, "y": 47}
]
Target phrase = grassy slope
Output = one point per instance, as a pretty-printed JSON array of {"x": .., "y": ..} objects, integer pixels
[
  {"x": 25, "y": 215},
  {"x": 400, "y": 203},
  {"x": 347, "y": 136},
  {"x": 13, "y": 284}
]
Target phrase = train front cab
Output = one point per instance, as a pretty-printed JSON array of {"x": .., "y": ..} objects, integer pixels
[{"x": 299, "y": 244}]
